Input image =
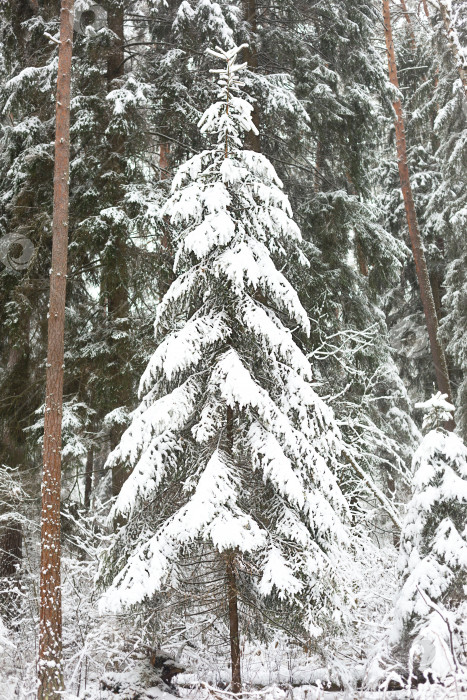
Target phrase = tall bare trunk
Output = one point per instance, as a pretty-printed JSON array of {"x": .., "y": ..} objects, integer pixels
[
  {"x": 50, "y": 623},
  {"x": 232, "y": 592},
  {"x": 235, "y": 654},
  {"x": 437, "y": 349},
  {"x": 252, "y": 140}
]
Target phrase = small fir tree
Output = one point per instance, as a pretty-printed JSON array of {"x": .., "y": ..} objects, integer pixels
[
  {"x": 232, "y": 451},
  {"x": 431, "y": 607}
]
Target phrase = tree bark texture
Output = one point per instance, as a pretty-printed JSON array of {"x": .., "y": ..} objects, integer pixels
[
  {"x": 232, "y": 592},
  {"x": 50, "y": 622},
  {"x": 88, "y": 477},
  {"x": 235, "y": 653},
  {"x": 429, "y": 309}
]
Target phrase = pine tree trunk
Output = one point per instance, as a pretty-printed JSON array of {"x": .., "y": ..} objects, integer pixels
[
  {"x": 235, "y": 654},
  {"x": 361, "y": 259},
  {"x": 164, "y": 160},
  {"x": 252, "y": 140},
  {"x": 116, "y": 57},
  {"x": 435, "y": 282},
  {"x": 50, "y": 623},
  {"x": 232, "y": 593},
  {"x": 437, "y": 350},
  {"x": 88, "y": 478}
]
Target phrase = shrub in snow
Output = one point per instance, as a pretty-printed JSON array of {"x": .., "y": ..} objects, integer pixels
[
  {"x": 234, "y": 456},
  {"x": 431, "y": 609}
]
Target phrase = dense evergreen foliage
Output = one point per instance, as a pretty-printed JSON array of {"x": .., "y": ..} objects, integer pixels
[{"x": 271, "y": 466}]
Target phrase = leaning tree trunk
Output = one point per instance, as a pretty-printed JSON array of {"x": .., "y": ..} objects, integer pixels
[
  {"x": 50, "y": 622},
  {"x": 429, "y": 308}
]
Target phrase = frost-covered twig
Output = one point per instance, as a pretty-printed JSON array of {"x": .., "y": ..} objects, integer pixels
[{"x": 379, "y": 495}]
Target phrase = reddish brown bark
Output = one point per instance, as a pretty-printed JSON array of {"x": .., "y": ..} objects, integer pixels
[
  {"x": 50, "y": 622},
  {"x": 164, "y": 160},
  {"x": 429, "y": 309}
]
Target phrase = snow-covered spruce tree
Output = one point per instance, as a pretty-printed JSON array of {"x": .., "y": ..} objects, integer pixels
[
  {"x": 448, "y": 203},
  {"x": 233, "y": 453},
  {"x": 430, "y": 621},
  {"x": 330, "y": 137},
  {"x": 112, "y": 189}
]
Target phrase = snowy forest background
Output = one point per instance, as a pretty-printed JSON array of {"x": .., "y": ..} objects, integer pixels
[{"x": 251, "y": 405}]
